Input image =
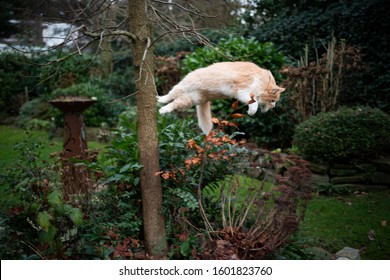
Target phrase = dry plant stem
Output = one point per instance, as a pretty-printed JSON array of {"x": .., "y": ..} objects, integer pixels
[
  {"x": 223, "y": 202},
  {"x": 251, "y": 203},
  {"x": 339, "y": 74},
  {"x": 316, "y": 85},
  {"x": 33, "y": 248},
  {"x": 232, "y": 190},
  {"x": 233, "y": 224}
]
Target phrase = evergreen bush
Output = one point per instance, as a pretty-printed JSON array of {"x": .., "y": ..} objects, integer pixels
[
  {"x": 26, "y": 77},
  {"x": 232, "y": 48},
  {"x": 348, "y": 133}
]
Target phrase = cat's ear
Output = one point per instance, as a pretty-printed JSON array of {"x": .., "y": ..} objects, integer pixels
[{"x": 278, "y": 89}]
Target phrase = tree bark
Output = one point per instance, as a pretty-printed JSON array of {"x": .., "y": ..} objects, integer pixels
[{"x": 154, "y": 228}]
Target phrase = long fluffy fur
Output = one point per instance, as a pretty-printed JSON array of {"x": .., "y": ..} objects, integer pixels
[
  {"x": 244, "y": 81},
  {"x": 203, "y": 111}
]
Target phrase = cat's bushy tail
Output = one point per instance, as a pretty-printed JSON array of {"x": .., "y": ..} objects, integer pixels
[{"x": 205, "y": 122}]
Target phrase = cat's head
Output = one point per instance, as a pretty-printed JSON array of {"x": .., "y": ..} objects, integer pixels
[{"x": 269, "y": 98}]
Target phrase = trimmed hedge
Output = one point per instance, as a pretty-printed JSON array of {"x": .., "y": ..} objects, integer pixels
[{"x": 347, "y": 133}]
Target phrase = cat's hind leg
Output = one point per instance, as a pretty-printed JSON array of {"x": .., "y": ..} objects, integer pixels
[
  {"x": 164, "y": 99},
  {"x": 180, "y": 104},
  {"x": 166, "y": 109},
  {"x": 170, "y": 96}
]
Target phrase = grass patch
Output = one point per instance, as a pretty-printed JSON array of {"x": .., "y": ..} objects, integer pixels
[
  {"x": 334, "y": 222},
  {"x": 358, "y": 221},
  {"x": 10, "y": 135},
  {"x": 9, "y": 156}
]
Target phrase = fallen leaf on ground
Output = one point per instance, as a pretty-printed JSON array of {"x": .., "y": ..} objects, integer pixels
[{"x": 371, "y": 234}]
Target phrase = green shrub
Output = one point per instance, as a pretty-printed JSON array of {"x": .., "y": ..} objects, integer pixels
[
  {"x": 33, "y": 75},
  {"x": 182, "y": 150},
  {"x": 344, "y": 134},
  {"x": 35, "y": 113},
  {"x": 36, "y": 222},
  {"x": 121, "y": 81},
  {"x": 237, "y": 49},
  {"x": 16, "y": 76},
  {"x": 166, "y": 46}
]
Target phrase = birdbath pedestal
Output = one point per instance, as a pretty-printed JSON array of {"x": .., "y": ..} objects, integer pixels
[{"x": 75, "y": 178}]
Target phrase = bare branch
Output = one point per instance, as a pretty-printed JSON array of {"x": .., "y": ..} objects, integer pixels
[
  {"x": 191, "y": 10},
  {"x": 107, "y": 33}
]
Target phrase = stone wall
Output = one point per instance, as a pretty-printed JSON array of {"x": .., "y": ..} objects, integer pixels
[
  {"x": 356, "y": 176},
  {"x": 353, "y": 176}
]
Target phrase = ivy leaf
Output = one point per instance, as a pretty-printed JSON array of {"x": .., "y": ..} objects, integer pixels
[
  {"x": 126, "y": 168},
  {"x": 43, "y": 220},
  {"x": 54, "y": 198},
  {"x": 115, "y": 178},
  {"x": 185, "y": 248},
  {"x": 48, "y": 235},
  {"x": 130, "y": 166},
  {"x": 76, "y": 216}
]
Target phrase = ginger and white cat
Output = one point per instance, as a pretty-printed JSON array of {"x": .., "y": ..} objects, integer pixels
[{"x": 244, "y": 81}]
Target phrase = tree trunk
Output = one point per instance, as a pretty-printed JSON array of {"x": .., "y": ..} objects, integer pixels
[{"x": 154, "y": 228}]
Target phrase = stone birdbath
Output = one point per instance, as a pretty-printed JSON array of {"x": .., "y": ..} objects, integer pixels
[{"x": 75, "y": 178}]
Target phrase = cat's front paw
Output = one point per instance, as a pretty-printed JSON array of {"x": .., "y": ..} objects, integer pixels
[{"x": 252, "y": 108}]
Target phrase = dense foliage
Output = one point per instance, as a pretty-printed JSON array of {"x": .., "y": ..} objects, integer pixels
[
  {"x": 28, "y": 82},
  {"x": 35, "y": 220},
  {"x": 23, "y": 78},
  {"x": 291, "y": 25},
  {"x": 237, "y": 49},
  {"x": 198, "y": 173},
  {"x": 15, "y": 79},
  {"x": 347, "y": 133}
]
